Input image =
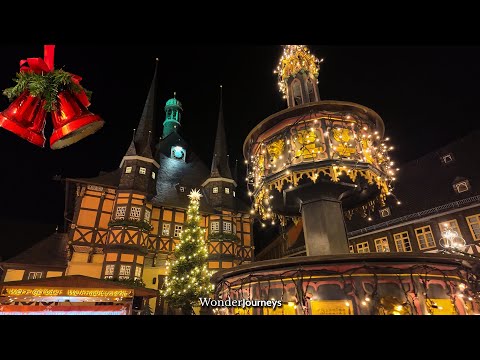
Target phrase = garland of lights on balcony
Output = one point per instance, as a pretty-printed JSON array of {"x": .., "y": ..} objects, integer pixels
[
  {"x": 346, "y": 140},
  {"x": 467, "y": 288}
]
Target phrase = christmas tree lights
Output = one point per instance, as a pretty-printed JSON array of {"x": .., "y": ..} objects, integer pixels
[{"x": 188, "y": 278}]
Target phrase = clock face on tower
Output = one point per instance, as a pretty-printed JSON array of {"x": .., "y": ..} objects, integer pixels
[{"x": 178, "y": 153}]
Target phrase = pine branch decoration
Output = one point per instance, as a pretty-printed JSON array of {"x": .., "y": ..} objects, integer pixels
[{"x": 46, "y": 86}]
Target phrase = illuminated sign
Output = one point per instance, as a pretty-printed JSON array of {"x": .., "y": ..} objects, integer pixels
[
  {"x": 11, "y": 291},
  {"x": 63, "y": 310}
]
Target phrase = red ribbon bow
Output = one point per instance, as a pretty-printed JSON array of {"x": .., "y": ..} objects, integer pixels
[{"x": 45, "y": 65}]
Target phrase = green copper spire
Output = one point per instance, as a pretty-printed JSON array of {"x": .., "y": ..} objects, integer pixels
[{"x": 173, "y": 115}]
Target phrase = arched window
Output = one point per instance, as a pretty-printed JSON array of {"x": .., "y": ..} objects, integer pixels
[
  {"x": 311, "y": 91},
  {"x": 297, "y": 92}
]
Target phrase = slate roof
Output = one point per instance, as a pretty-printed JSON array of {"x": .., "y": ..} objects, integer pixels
[
  {"x": 51, "y": 251},
  {"x": 426, "y": 182},
  {"x": 220, "y": 165},
  {"x": 111, "y": 178}
]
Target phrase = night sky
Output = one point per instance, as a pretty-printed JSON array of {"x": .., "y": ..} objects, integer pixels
[{"x": 426, "y": 95}]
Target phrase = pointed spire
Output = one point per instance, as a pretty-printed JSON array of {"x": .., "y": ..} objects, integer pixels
[
  {"x": 235, "y": 171},
  {"x": 220, "y": 166},
  {"x": 147, "y": 121},
  {"x": 132, "y": 151},
  {"x": 147, "y": 151}
]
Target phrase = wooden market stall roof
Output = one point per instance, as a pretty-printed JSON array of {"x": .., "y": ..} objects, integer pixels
[{"x": 79, "y": 282}]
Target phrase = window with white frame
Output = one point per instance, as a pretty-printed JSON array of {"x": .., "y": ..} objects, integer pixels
[
  {"x": 227, "y": 190},
  {"x": 182, "y": 188},
  {"x": 363, "y": 247},
  {"x": 135, "y": 213},
  {"x": 450, "y": 224},
  {"x": 425, "y": 237},
  {"x": 147, "y": 215},
  {"x": 166, "y": 230},
  {"x": 381, "y": 245},
  {"x": 461, "y": 186},
  {"x": 35, "y": 275},
  {"x": 215, "y": 190},
  {"x": 109, "y": 270},
  {"x": 214, "y": 227},
  {"x": 447, "y": 158},
  {"x": 142, "y": 170},
  {"x": 138, "y": 272},
  {"x": 233, "y": 193},
  {"x": 120, "y": 214},
  {"x": 128, "y": 170},
  {"x": 177, "y": 231},
  {"x": 402, "y": 242},
  {"x": 474, "y": 225},
  {"x": 125, "y": 271},
  {"x": 351, "y": 249},
  {"x": 227, "y": 226},
  {"x": 153, "y": 175}
]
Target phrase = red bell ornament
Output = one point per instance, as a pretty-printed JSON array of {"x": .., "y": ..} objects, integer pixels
[
  {"x": 25, "y": 117},
  {"x": 72, "y": 121}
]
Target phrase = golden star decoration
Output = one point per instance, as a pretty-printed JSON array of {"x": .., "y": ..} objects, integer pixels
[{"x": 195, "y": 195}]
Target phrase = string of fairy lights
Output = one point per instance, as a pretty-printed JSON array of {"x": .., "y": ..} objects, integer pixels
[
  {"x": 349, "y": 143},
  {"x": 459, "y": 284}
]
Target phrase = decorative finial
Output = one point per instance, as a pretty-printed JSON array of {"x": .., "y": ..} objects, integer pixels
[
  {"x": 56, "y": 229},
  {"x": 156, "y": 59},
  {"x": 221, "y": 85},
  {"x": 174, "y": 94}
]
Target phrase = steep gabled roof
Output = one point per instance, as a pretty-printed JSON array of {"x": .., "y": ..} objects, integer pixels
[
  {"x": 51, "y": 251},
  {"x": 220, "y": 165}
]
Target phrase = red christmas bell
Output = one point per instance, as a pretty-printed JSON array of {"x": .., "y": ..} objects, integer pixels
[
  {"x": 72, "y": 121},
  {"x": 25, "y": 117}
]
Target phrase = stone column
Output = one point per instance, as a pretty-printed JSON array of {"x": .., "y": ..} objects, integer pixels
[{"x": 324, "y": 227}]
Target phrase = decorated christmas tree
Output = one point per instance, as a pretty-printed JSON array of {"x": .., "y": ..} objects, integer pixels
[{"x": 188, "y": 278}]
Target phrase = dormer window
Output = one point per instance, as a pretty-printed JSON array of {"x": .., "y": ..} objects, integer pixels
[
  {"x": 384, "y": 212},
  {"x": 447, "y": 158},
  {"x": 227, "y": 190},
  {"x": 461, "y": 186},
  {"x": 215, "y": 190},
  {"x": 128, "y": 170},
  {"x": 182, "y": 188},
  {"x": 178, "y": 153},
  {"x": 142, "y": 171}
]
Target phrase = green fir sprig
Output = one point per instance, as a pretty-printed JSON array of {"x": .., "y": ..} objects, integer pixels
[{"x": 45, "y": 86}]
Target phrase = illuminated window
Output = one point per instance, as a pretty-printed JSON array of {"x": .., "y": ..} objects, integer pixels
[
  {"x": 461, "y": 186},
  {"x": 182, "y": 188},
  {"x": 166, "y": 230},
  {"x": 227, "y": 190},
  {"x": 147, "y": 215},
  {"x": 425, "y": 237},
  {"x": 402, "y": 242},
  {"x": 138, "y": 272},
  {"x": 125, "y": 271},
  {"x": 214, "y": 227},
  {"x": 120, "y": 214},
  {"x": 128, "y": 170},
  {"x": 363, "y": 247},
  {"x": 177, "y": 231},
  {"x": 135, "y": 213},
  {"x": 474, "y": 225},
  {"x": 450, "y": 224},
  {"x": 34, "y": 275},
  {"x": 227, "y": 226},
  {"x": 142, "y": 171},
  {"x": 381, "y": 245},
  {"x": 351, "y": 249},
  {"x": 234, "y": 194},
  {"x": 215, "y": 190},
  {"x": 153, "y": 175},
  {"x": 109, "y": 269}
]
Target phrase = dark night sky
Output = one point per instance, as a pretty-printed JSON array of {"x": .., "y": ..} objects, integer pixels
[{"x": 426, "y": 95}]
